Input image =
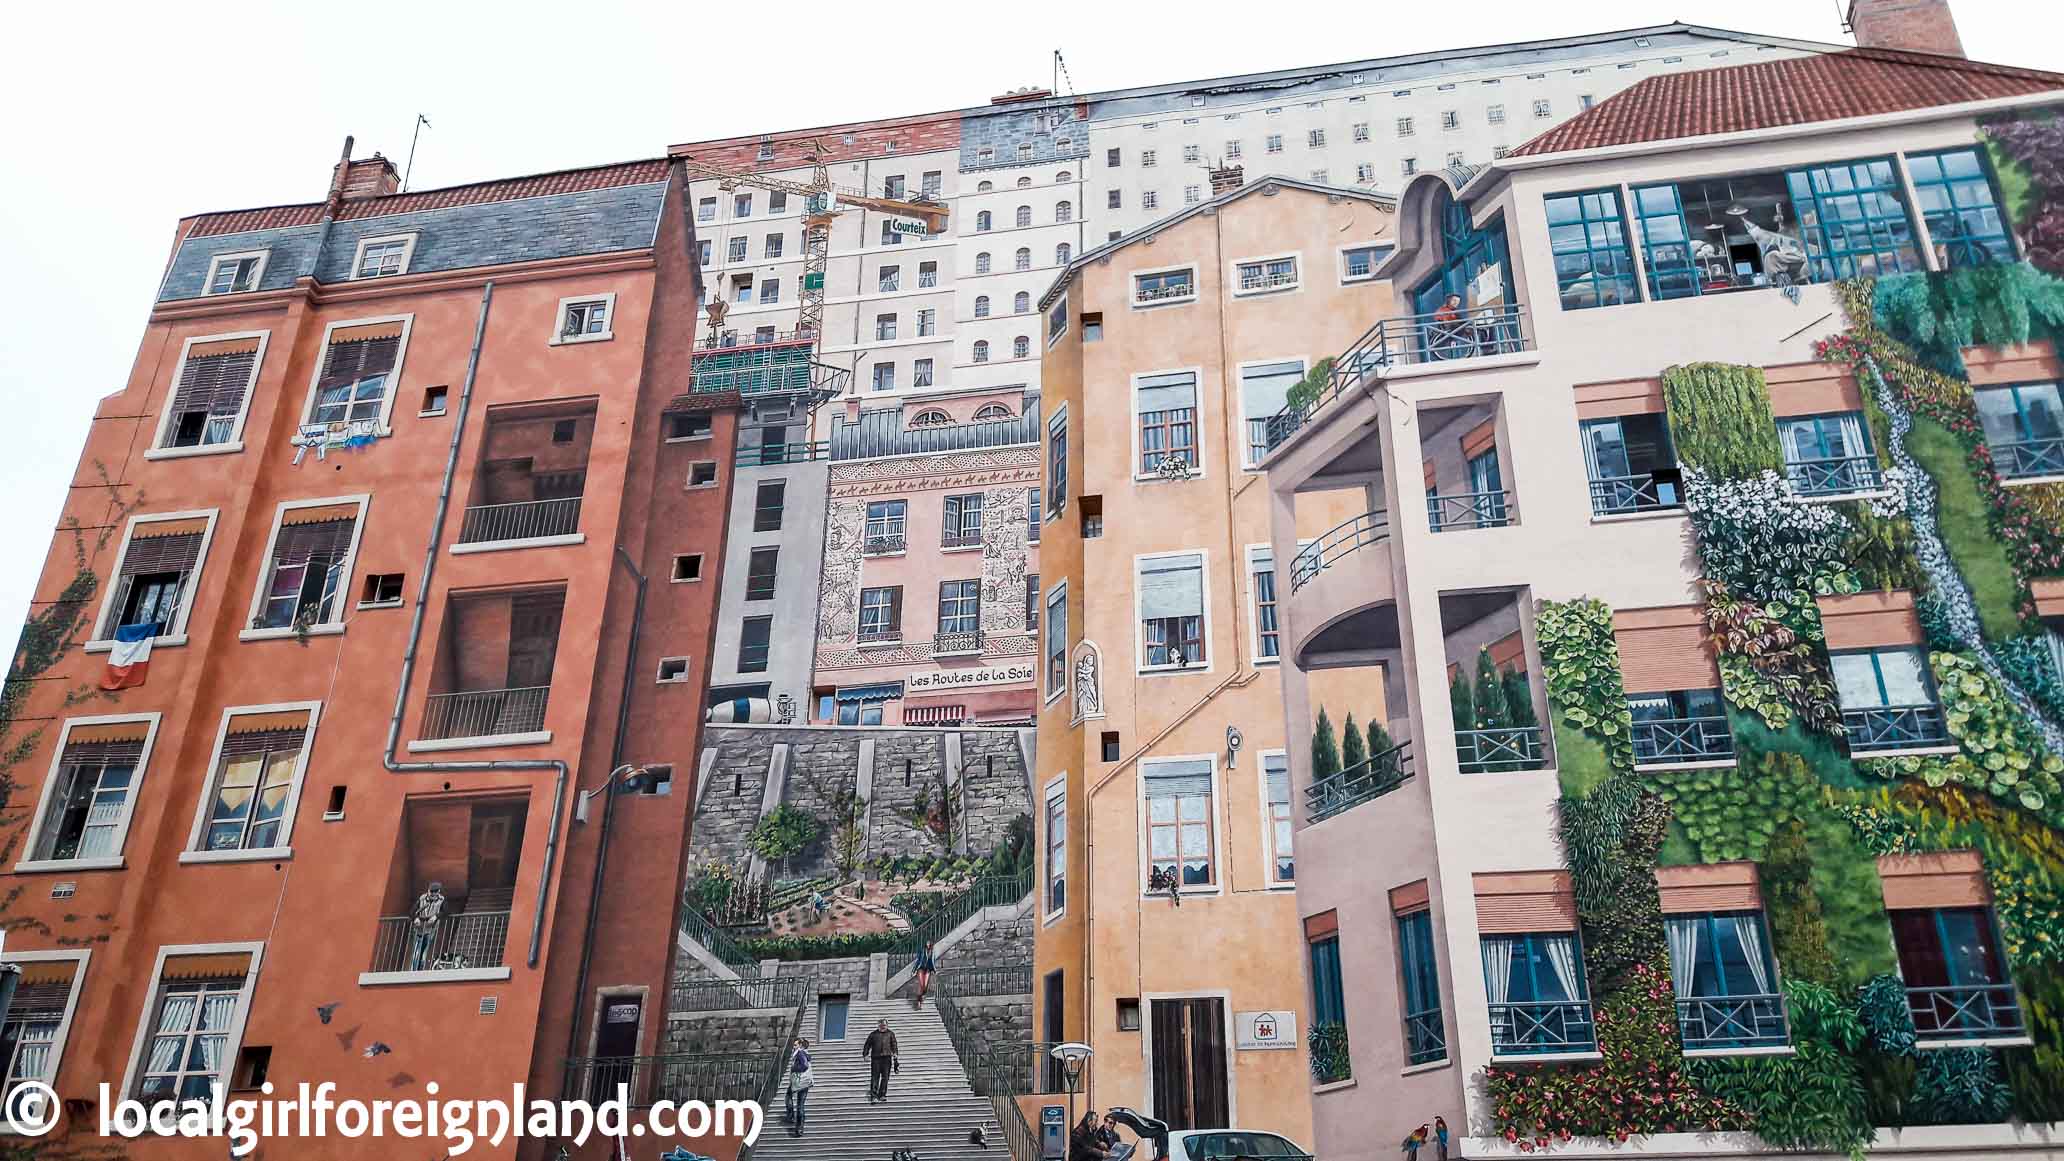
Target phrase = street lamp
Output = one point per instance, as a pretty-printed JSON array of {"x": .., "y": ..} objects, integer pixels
[
  {"x": 633, "y": 777},
  {"x": 1074, "y": 1057}
]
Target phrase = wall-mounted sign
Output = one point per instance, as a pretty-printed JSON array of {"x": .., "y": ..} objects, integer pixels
[
  {"x": 1265, "y": 1029},
  {"x": 934, "y": 680},
  {"x": 908, "y": 227}
]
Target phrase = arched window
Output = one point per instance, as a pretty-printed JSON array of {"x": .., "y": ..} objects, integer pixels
[
  {"x": 1062, "y": 253},
  {"x": 1064, "y": 175},
  {"x": 982, "y": 222},
  {"x": 992, "y": 411},
  {"x": 981, "y": 306},
  {"x": 1022, "y": 303},
  {"x": 1023, "y": 182},
  {"x": 1064, "y": 212},
  {"x": 1021, "y": 347},
  {"x": 985, "y": 187},
  {"x": 1024, "y": 215},
  {"x": 931, "y": 417},
  {"x": 982, "y": 262},
  {"x": 982, "y": 351},
  {"x": 1024, "y": 258}
]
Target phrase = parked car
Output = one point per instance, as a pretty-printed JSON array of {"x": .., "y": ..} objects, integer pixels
[{"x": 1208, "y": 1144}]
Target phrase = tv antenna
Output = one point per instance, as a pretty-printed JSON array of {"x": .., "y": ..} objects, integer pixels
[{"x": 422, "y": 123}]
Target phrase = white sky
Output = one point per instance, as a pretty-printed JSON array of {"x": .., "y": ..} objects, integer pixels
[{"x": 119, "y": 122}]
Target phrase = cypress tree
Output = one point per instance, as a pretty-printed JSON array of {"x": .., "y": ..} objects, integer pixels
[
  {"x": 1325, "y": 752},
  {"x": 1352, "y": 752}
]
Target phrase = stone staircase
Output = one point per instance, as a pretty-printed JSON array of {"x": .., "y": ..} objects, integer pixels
[{"x": 931, "y": 1108}]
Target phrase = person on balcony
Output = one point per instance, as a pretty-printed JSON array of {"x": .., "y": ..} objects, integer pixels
[
  {"x": 423, "y": 921},
  {"x": 1447, "y": 335}
]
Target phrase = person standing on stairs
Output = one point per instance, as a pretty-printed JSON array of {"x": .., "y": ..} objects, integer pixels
[
  {"x": 880, "y": 1051},
  {"x": 926, "y": 965},
  {"x": 799, "y": 1082}
]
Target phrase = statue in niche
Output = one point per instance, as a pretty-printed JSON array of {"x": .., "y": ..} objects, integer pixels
[{"x": 1089, "y": 696}]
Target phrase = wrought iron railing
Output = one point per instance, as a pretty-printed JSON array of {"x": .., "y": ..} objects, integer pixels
[
  {"x": 775, "y": 1057},
  {"x": 1715, "y": 1022},
  {"x": 965, "y": 641},
  {"x": 990, "y": 1069},
  {"x": 1426, "y": 1037},
  {"x": 1469, "y": 510},
  {"x": 878, "y": 634},
  {"x": 989, "y": 891},
  {"x": 957, "y": 539},
  {"x": 887, "y": 283},
  {"x": 765, "y": 454},
  {"x": 1967, "y": 1012},
  {"x": 1542, "y": 1027},
  {"x": 485, "y": 713},
  {"x": 882, "y": 542},
  {"x": 524, "y": 520},
  {"x": 1834, "y": 475},
  {"x": 1166, "y": 293},
  {"x": 1336, "y": 542},
  {"x": 2019, "y": 458},
  {"x": 1698, "y": 739},
  {"x": 1894, "y": 727},
  {"x": 739, "y": 995},
  {"x": 678, "y": 1078},
  {"x": 1620, "y": 495},
  {"x": 1405, "y": 341},
  {"x": 1359, "y": 783},
  {"x": 1509, "y": 748},
  {"x": 1255, "y": 280},
  {"x": 717, "y": 942},
  {"x": 1009, "y": 979},
  {"x": 470, "y": 939}
]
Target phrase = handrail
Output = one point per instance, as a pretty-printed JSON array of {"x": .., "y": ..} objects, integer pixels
[
  {"x": 485, "y": 713},
  {"x": 1337, "y": 542},
  {"x": 1742, "y": 1021},
  {"x": 1542, "y": 1026},
  {"x": 1488, "y": 509},
  {"x": 1366, "y": 780},
  {"x": 1833, "y": 475},
  {"x": 1966, "y": 1012},
  {"x": 521, "y": 520},
  {"x": 677, "y": 1077},
  {"x": 765, "y": 454},
  {"x": 2028, "y": 457},
  {"x": 988, "y": 891},
  {"x": 770, "y": 1080},
  {"x": 1692, "y": 739},
  {"x": 719, "y": 944},
  {"x": 1009, "y": 979},
  {"x": 1493, "y": 750},
  {"x": 1894, "y": 727},
  {"x": 740, "y": 994},
  {"x": 1643, "y": 492}
]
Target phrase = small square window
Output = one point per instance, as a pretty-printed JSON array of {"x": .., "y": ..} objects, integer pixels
[
  {"x": 433, "y": 399},
  {"x": 1128, "y": 1015},
  {"x": 688, "y": 425},
  {"x": 563, "y": 430},
  {"x": 1110, "y": 745},
  {"x": 384, "y": 257},
  {"x": 658, "y": 781},
  {"x": 702, "y": 474},
  {"x": 687, "y": 566},
  {"x": 381, "y": 588},
  {"x": 335, "y": 810},
  {"x": 1093, "y": 327},
  {"x": 584, "y": 320},
  {"x": 672, "y": 670}
]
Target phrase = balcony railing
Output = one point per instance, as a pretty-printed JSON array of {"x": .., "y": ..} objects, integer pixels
[
  {"x": 717, "y": 942},
  {"x": 1509, "y": 748},
  {"x": 1894, "y": 728},
  {"x": 678, "y": 1078},
  {"x": 1469, "y": 510},
  {"x": 2021, "y": 458},
  {"x": 1707, "y": 1023},
  {"x": 1542, "y": 1027},
  {"x": 1369, "y": 779},
  {"x": 1259, "y": 281},
  {"x": 1834, "y": 476},
  {"x": 883, "y": 541},
  {"x": 1166, "y": 293},
  {"x": 524, "y": 520},
  {"x": 1700, "y": 739},
  {"x": 1338, "y": 541},
  {"x": 485, "y": 713},
  {"x": 926, "y": 279},
  {"x": 1647, "y": 492},
  {"x": 738, "y": 995},
  {"x": 1426, "y": 1037},
  {"x": 962, "y": 641},
  {"x": 961, "y": 539},
  {"x": 471, "y": 939},
  {"x": 888, "y": 284},
  {"x": 1405, "y": 341},
  {"x": 1969, "y": 1012},
  {"x": 764, "y": 454},
  {"x": 1008, "y": 979},
  {"x": 878, "y": 634}
]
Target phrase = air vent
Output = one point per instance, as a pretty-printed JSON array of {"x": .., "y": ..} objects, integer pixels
[
  {"x": 63, "y": 890},
  {"x": 487, "y": 1005}
]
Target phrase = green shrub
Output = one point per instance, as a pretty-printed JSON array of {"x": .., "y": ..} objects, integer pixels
[
  {"x": 1812, "y": 1099},
  {"x": 783, "y": 833},
  {"x": 1961, "y": 1086},
  {"x": 1720, "y": 419},
  {"x": 1325, "y": 751},
  {"x": 809, "y": 947},
  {"x": 1961, "y": 514},
  {"x": 1580, "y": 666},
  {"x": 1354, "y": 749},
  {"x": 1798, "y": 927}
]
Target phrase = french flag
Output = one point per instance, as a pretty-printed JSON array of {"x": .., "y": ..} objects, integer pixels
[{"x": 129, "y": 660}]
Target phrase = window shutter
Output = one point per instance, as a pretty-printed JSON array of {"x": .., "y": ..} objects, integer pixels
[
  {"x": 253, "y": 742},
  {"x": 1278, "y": 785},
  {"x": 103, "y": 753},
  {"x": 214, "y": 383},
  {"x": 1947, "y": 879},
  {"x": 1664, "y": 650},
  {"x": 149, "y": 554},
  {"x": 896, "y": 609},
  {"x": 325, "y": 539},
  {"x": 350, "y": 359},
  {"x": 1408, "y": 898},
  {"x": 1519, "y": 902},
  {"x": 1172, "y": 588},
  {"x": 1172, "y": 392},
  {"x": 1709, "y": 887},
  {"x": 1173, "y": 779}
]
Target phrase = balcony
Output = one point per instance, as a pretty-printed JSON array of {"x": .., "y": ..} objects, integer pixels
[
  {"x": 485, "y": 713},
  {"x": 472, "y": 939},
  {"x": 2027, "y": 458},
  {"x": 878, "y": 634},
  {"x": 883, "y": 542},
  {"x": 1626, "y": 495},
  {"x": 1967, "y": 1012},
  {"x": 1731, "y": 1023},
  {"x": 1362, "y": 782},
  {"x": 1492, "y": 509},
  {"x": 1337, "y": 542},
  {"x": 525, "y": 520},
  {"x": 1834, "y": 476},
  {"x": 961, "y": 539},
  {"x": 1671, "y": 741},
  {"x": 957, "y": 643},
  {"x": 1891, "y": 728},
  {"x": 1426, "y": 1037},
  {"x": 770, "y": 454},
  {"x": 1497, "y": 750},
  {"x": 1542, "y": 1028},
  {"x": 1173, "y": 292}
]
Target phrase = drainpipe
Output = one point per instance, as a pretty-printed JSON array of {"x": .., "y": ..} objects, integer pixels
[
  {"x": 616, "y": 750},
  {"x": 408, "y": 656}
]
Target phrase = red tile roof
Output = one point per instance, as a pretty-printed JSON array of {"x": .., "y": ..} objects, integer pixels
[
  {"x": 1800, "y": 91},
  {"x": 479, "y": 193}
]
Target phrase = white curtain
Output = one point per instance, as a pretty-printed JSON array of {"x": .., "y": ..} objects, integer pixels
[
  {"x": 1562, "y": 956},
  {"x": 1748, "y": 931},
  {"x": 1684, "y": 941},
  {"x": 175, "y": 1016},
  {"x": 32, "y": 1060},
  {"x": 211, "y": 1051},
  {"x": 1852, "y": 434},
  {"x": 1497, "y": 970}
]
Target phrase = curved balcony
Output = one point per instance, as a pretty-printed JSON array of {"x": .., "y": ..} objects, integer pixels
[{"x": 1345, "y": 571}]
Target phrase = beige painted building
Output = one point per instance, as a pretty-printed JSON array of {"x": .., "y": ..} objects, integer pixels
[{"x": 1166, "y": 354}]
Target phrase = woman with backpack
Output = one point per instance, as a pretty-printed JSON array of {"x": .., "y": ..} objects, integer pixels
[{"x": 799, "y": 1082}]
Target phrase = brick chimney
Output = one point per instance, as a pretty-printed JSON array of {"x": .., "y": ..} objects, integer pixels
[
  {"x": 1226, "y": 179},
  {"x": 352, "y": 181},
  {"x": 1908, "y": 25}
]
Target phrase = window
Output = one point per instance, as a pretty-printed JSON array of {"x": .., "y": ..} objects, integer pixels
[
  {"x": 1064, "y": 176},
  {"x": 1112, "y": 157},
  {"x": 1024, "y": 217},
  {"x": 982, "y": 262},
  {"x": 1273, "y": 143},
  {"x": 1021, "y": 302},
  {"x": 703, "y": 248},
  {"x": 931, "y": 417},
  {"x": 1775, "y": 228},
  {"x": 754, "y": 636},
  {"x": 355, "y": 381},
  {"x": 687, "y": 567},
  {"x": 1404, "y": 126},
  {"x": 1146, "y": 159},
  {"x": 1265, "y": 391},
  {"x": 381, "y": 588},
  {"x": 1631, "y": 464},
  {"x": 1056, "y": 848},
  {"x": 187, "y": 1046},
  {"x": 706, "y": 210},
  {"x": 584, "y": 319},
  {"x": 1113, "y": 199},
  {"x": 892, "y": 187},
  {"x": 213, "y": 384},
  {"x": 962, "y": 523},
  {"x": 1538, "y": 1001},
  {"x": 735, "y": 249},
  {"x": 771, "y": 248},
  {"x": 1261, "y": 575},
  {"x": 1167, "y": 408},
  {"x": 1957, "y": 985},
  {"x": 885, "y": 376},
  {"x": 39, "y": 1020},
  {"x": 770, "y": 293},
  {"x": 1853, "y": 218},
  {"x": 881, "y": 614},
  {"x": 1192, "y": 154},
  {"x": 1542, "y": 110},
  {"x": 1316, "y": 139},
  {"x": 1454, "y": 160},
  {"x": 2024, "y": 429},
  {"x": 1888, "y": 699},
  {"x": 1024, "y": 258},
  {"x": 884, "y": 326},
  {"x": 741, "y": 288},
  {"x": 921, "y": 373},
  {"x": 260, "y": 756},
  {"x": 888, "y": 279},
  {"x": 1275, "y": 786},
  {"x": 927, "y": 275},
  {"x": 1588, "y": 237},
  {"x": 931, "y": 183},
  {"x": 1192, "y": 194},
  {"x": 300, "y": 586},
  {"x": 235, "y": 273},
  {"x": 90, "y": 791},
  {"x": 777, "y": 202},
  {"x": 983, "y": 222},
  {"x": 1361, "y": 131},
  {"x": 981, "y": 306},
  {"x": 889, "y": 236},
  {"x": 1171, "y": 609},
  {"x": 1495, "y": 114},
  {"x": 1328, "y": 997},
  {"x": 688, "y": 425},
  {"x": 1057, "y": 462},
  {"x": 1450, "y": 119},
  {"x": 382, "y": 257},
  {"x": 1093, "y": 327},
  {"x": 1024, "y": 153},
  {"x": 981, "y": 350},
  {"x": 1725, "y": 981},
  {"x": 1164, "y": 286},
  {"x": 885, "y": 527},
  {"x": 1364, "y": 172},
  {"x": 1232, "y": 151},
  {"x": 984, "y": 156},
  {"x": 1021, "y": 347},
  {"x": 1828, "y": 455},
  {"x": 767, "y": 505},
  {"x": 1358, "y": 263},
  {"x": 1266, "y": 275},
  {"x": 1062, "y": 253},
  {"x": 1426, "y": 1035},
  {"x": 1180, "y": 821},
  {"x": 1057, "y": 319},
  {"x": 702, "y": 474},
  {"x": 741, "y": 205},
  {"x": 1586, "y": 101},
  {"x": 1961, "y": 206},
  {"x": 760, "y": 573},
  {"x": 1054, "y": 640},
  {"x": 960, "y": 610}
]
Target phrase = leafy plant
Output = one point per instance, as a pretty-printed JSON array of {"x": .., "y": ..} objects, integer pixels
[
  {"x": 1380, "y": 741},
  {"x": 783, "y": 833},
  {"x": 1767, "y": 665},
  {"x": 1329, "y": 1056},
  {"x": 812, "y": 947},
  {"x": 1812, "y": 1099},
  {"x": 1961, "y": 1086},
  {"x": 1728, "y": 817},
  {"x": 1611, "y": 837},
  {"x": 1580, "y": 665},
  {"x": 1721, "y": 420},
  {"x": 1798, "y": 925},
  {"x": 1304, "y": 394}
]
